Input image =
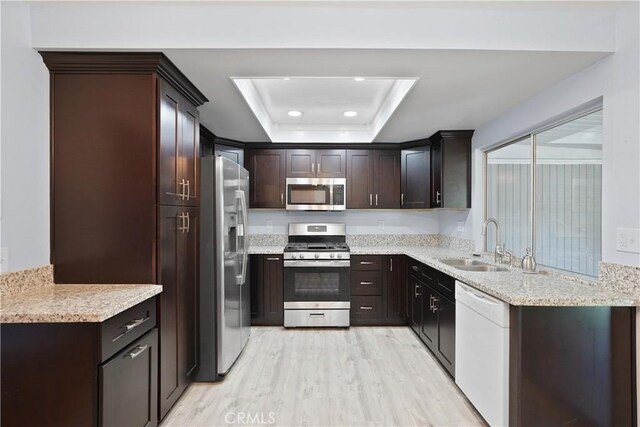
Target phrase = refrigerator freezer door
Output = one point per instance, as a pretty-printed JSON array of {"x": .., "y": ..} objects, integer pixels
[{"x": 243, "y": 187}]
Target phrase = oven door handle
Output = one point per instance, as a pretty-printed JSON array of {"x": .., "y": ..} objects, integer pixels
[{"x": 319, "y": 264}]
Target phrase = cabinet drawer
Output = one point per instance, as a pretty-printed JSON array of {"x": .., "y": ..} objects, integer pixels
[
  {"x": 366, "y": 262},
  {"x": 446, "y": 285},
  {"x": 366, "y": 283},
  {"x": 124, "y": 328},
  {"x": 128, "y": 385},
  {"x": 366, "y": 310}
]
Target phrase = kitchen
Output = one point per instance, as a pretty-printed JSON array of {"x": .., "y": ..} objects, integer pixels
[{"x": 390, "y": 146}]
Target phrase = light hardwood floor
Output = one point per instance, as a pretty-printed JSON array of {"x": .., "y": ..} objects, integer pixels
[{"x": 361, "y": 376}]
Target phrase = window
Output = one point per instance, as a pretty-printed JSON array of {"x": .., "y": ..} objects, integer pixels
[{"x": 555, "y": 208}]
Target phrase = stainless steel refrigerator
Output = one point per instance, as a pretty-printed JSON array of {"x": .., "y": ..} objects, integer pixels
[{"x": 224, "y": 286}]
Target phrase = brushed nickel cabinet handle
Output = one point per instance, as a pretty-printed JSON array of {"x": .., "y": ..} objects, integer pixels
[
  {"x": 183, "y": 185},
  {"x": 282, "y": 199},
  {"x": 318, "y": 167},
  {"x": 188, "y": 218},
  {"x": 313, "y": 167},
  {"x": 370, "y": 199},
  {"x": 366, "y": 307},
  {"x": 366, "y": 283},
  {"x": 402, "y": 199},
  {"x": 416, "y": 291},
  {"x": 376, "y": 199},
  {"x": 188, "y": 189},
  {"x": 273, "y": 259},
  {"x": 366, "y": 262},
  {"x": 437, "y": 197},
  {"x": 390, "y": 264},
  {"x": 130, "y": 326},
  {"x": 414, "y": 267},
  {"x": 137, "y": 351}
]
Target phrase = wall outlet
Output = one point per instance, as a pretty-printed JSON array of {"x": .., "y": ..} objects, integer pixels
[
  {"x": 270, "y": 226},
  {"x": 4, "y": 260},
  {"x": 381, "y": 225},
  {"x": 628, "y": 240},
  {"x": 460, "y": 227}
]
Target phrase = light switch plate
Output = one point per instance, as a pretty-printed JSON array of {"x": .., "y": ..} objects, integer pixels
[
  {"x": 381, "y": 225},
  {"x": 628, "y": 240},
  {"x": 269, "y": 226},
  {"x": 460, "y": 227}
]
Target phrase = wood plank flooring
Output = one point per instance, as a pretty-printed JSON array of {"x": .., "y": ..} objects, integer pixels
[{"x": 362, "y": 376}]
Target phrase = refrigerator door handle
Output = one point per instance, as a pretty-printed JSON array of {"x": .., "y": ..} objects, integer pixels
[{"x": 243, "y": 233}]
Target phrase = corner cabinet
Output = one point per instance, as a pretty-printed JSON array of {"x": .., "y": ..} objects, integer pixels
[
  {"x": 128, "y": 178},
  {"x": 267, "y": 171},
  {"x": 451, "y": 169}
]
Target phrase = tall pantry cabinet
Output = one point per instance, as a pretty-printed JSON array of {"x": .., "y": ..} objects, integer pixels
[{"x": 125, "y": 190}]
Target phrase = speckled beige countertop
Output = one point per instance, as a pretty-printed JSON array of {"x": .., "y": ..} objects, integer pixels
[
  {"x": 72, "y": 303},
  {"x": 513, "y": 286}
]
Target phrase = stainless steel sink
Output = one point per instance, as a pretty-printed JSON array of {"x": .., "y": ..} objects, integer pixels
[{"x": 468, "y": 264}]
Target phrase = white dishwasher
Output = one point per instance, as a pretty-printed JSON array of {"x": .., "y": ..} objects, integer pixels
[{"x": 482, "y": 352}]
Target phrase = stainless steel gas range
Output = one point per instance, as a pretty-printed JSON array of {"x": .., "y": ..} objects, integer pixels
[{"x": 316, "y": 276}]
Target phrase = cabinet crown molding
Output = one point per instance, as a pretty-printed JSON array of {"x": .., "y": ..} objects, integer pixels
[{"x": 123, "y": 62}]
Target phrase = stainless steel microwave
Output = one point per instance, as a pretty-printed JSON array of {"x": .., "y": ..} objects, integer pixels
[{"x": 316, "y": 194}]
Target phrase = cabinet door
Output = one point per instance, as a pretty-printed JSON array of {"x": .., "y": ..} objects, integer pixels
[
  {"x": 436, "y": 174},
  {"x": 256, "y": 288},
  {"x": 169, "y": 145},
  {"x": 128, "y": 385},
  {"x": 415, "y": 292},
  {"x": 301, "y": 163},
  {"x": 415, "y": 178},
  {"x": 189, "y": 155},
  {"x": 359, "y": 179},
  {"x": 267, "y": 178},
  {"x": 456, "y": 173},
  {"x": 429, "y": 327},
  {"x": 446, "y": 310},
  {"x": 386, "y": 181},
  {"x": 274, "y": 290},
  {"x": 395, "y": 290},
  {"x": 331, "y": 163},
  {"x": 188, "y": 295},
  {"x": 168, "y": 275}
]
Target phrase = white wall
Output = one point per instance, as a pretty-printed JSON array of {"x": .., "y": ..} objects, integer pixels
[
  {"x": 24, "y": 136},
  {"x": 615, "y": 79},
  {"x": 358, "y": 222}
]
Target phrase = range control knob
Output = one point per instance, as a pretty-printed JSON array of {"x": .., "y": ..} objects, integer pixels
[
  {"x": 294, "y": 256},
  {"x": 332, "y": 255},
  {"x": 317, "y": 256},
  {"x": 301, "y": 256},
  {"x": 339, "y": 255}
]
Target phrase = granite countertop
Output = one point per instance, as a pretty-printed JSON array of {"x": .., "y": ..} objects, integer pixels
[
  {"x": 55, "y": 303},
  {"x": 513, "y": 286}
]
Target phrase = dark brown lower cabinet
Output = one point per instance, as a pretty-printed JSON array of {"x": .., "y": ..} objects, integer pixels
[
  {"x": 432, "y": 315},
  {"x": 267, "y": 290},
  {"x": 572, "y": 366},
  {"x": 129, "y": 385},
  {"x": 81, "y": 374},
  {"x": 378, "y": 290}
]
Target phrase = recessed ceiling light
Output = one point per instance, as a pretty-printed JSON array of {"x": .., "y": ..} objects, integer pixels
[
  {"x": 295, "y": 113},
  {"x": 350, "y": 113},
  {"x": 359, "y": 79}
]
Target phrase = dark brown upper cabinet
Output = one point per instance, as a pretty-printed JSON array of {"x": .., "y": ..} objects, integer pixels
[
  {"x": 373, "y": 179},
  {"x": 416, "y": 178},
  {"x": 451, "y": 169},
  {"x": 266, "y": 178},
  {"x": 316, "y": 163},
  {"x": 179, "y": 148}
]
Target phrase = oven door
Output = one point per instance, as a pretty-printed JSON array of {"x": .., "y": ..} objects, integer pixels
[
  {"x": 307, "y": 283},
  {"x": 310, "y": 194}
]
